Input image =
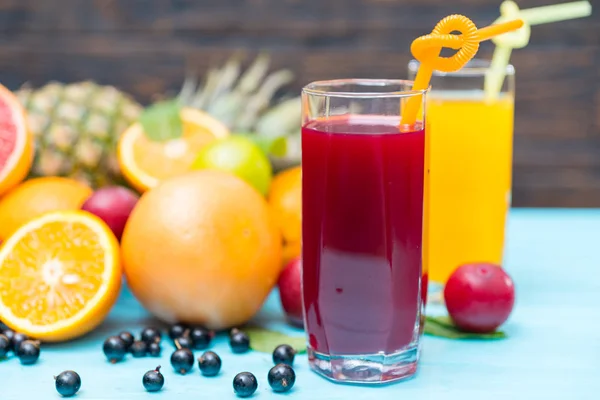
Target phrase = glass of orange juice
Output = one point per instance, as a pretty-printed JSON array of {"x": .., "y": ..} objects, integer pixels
[{"x": 469, "y": 157}]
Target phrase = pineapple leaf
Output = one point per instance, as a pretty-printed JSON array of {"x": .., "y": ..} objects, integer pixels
[
  {"x": 188, "y": 90},
  {"x": 285, "y": 117},
  {"x": 203, "y": 94},
  {"x": 162, "y": 121},
  {"x": 261, "y": 99},
  {"x": 229, "y": 75},
  {"x": 254, "y": 75},
  {"x": 230, "y": 104},
  {"x": 227, "y": 107}
]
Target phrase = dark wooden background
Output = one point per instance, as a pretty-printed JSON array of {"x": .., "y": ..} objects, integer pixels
[{"x": 145, "y": 46}]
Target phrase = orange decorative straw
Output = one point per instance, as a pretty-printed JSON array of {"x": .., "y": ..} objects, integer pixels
[{"x": 427, "y": 49}]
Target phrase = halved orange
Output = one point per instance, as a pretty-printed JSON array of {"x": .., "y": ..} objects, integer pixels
[
  {"x": 16, "y": 143},
  {"x": 60, "y": 275},
  {"x": 145, "y": 163}
]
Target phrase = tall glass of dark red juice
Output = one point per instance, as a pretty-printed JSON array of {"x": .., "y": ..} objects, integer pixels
[{"x": 362, "y": 229}]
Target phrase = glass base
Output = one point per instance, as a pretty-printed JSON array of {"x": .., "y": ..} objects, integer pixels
[{"x": 370, "y": 369}]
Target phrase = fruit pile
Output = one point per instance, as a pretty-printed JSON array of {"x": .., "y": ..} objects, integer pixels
[
  {"x": 195, "y": 200},
  {"x": 180, "y": 198},
  {"x": 77, "y": 126}
]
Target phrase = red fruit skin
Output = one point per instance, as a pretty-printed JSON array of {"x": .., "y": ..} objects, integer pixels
[
  {"x": 112, "y": 204},
  {"x": 290, "y": 291},
  {"x": 479, "y": 297}
]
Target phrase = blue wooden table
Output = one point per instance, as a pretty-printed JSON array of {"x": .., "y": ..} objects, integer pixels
[{"x": 553, "y": 349}]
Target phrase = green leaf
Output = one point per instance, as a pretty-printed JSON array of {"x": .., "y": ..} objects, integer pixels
[
  {"x": 265, "y": 340},
  {"x": 276, "y": 146},
  {"x": 162, "y": 121},
  {"x": 443, "y": 327}
]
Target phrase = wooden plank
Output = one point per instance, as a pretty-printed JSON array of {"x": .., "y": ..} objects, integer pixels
[
  {"x": 556, "y": 197},
  {"x": 323, "y": 19},
  {"x": 541, "y": 152},
  {"x": 552, "y": 186},
  {"x": 146, "y": 46},
  {"x": 563, "y": 72},
  {"x": 562, "y": 177}
]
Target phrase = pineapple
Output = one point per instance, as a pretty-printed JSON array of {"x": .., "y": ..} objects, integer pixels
[
  {"x": 76, "y": 128},
  {"x": 245, "y": 103}
]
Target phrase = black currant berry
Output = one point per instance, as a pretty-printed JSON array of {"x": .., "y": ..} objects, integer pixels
[
  {"x": 201, "y": 337},
  {"x": 10, "y": 334},
  {"x": 114, "y": 349},
  {"x": 151, "y": 334},
  {"x": 281, "y": 378},
  {"x": 4, "y": 346},
  {"x": 185, "y": 342},
  {"x": 239, "y": 341},
  {"x": 17, "y": 339},
  {"x": 153, "y": 380},
  {"x": 284, "y": 354},
  {"x": 138, "y": 349},
  {"x": 67, "y": 383},
  {"x": 28, "y": 352},
  {"x": 245, "y": 384},
  {"x": 209, "y": 363},
  {"x": 177, "y": 330},
  {"x": 182, "y": 359},
  {"x": 127, "y": 337},
  {"x": 154, "y": 349}
]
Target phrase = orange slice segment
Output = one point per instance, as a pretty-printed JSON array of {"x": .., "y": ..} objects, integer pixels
[
  {"x": 16, "y": 143},
  {"x": 145, "y": 162},
  {"x": 60, "y": 275}
]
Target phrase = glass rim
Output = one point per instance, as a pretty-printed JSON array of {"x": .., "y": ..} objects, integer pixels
[
  {"x": 475, "y": 67},
  {"x": 328, "y": 86}
]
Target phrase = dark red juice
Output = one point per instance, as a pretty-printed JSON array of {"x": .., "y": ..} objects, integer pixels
[{"x": 362, "y": 200}]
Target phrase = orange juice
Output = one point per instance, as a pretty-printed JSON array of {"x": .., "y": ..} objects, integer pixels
[{"x": 469, "y": 188}]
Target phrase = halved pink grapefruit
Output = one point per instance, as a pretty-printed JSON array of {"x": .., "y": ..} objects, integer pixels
[{"x": 16, "y": 143}]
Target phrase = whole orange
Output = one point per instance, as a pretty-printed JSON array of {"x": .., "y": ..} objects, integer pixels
[
  {"x": 202, "y": 248},
  {"x": 285, "y": 202},
  {"x": 38, "y": 196}
]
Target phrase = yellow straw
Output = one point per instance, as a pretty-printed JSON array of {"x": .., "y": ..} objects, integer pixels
[
  {"x": 557, "y": 12},
  {"x": 427, "y": 49},
  {"x": 519, "y": 39}
]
